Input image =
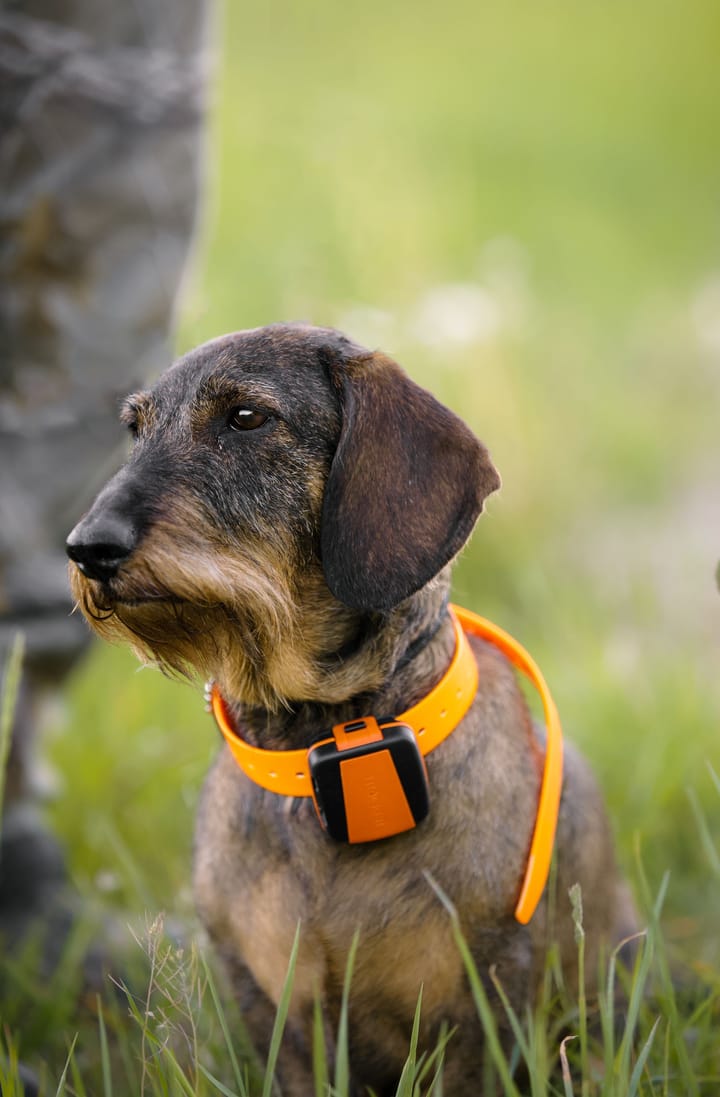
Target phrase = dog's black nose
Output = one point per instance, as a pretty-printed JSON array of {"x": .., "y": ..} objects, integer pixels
[{"x": 99, "y": 544}]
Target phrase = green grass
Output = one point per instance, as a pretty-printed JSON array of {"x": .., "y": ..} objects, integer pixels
[
  {"x": 561, "y": 160},
  {"x": 178, "y": 1032}
]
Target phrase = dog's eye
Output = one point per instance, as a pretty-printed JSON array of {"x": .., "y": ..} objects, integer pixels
[{"x": 246, "y": 419}]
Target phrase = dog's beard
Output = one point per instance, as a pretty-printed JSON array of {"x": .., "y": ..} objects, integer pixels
[
  {"x": 198, "y": 610},
  {"x": 261, "y": 625}
]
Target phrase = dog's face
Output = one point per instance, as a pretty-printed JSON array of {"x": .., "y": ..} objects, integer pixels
[{"x": 274, "y": 473}]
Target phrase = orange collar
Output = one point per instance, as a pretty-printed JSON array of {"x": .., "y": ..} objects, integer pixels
[{"x": 288, "y": 772}]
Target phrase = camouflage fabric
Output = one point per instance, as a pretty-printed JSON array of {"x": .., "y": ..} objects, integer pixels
[{"x": 100, "y": 125}]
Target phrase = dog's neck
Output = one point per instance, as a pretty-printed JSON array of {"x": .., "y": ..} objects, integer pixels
[{"x": 347, "y": 664}]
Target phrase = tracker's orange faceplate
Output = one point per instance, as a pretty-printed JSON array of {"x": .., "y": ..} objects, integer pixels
[{"x": 369, "y": 781}]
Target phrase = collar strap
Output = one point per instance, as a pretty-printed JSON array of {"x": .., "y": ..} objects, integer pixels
[
  {"x": 287, "y": 772},
  {"x": 537, "y": 868},
  {"x": 432, "y": 719}
]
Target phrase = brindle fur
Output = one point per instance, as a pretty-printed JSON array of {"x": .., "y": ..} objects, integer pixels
[{"x": 298, "y": 564}]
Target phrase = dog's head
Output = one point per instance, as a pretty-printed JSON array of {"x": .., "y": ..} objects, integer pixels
[{"x": 275, "y": 473}]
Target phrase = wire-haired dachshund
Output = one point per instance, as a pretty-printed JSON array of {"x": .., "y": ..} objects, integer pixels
[{"x": 285, "y": 525}]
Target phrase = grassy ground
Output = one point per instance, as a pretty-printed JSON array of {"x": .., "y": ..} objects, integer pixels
[{"x": 520, "y": 203}]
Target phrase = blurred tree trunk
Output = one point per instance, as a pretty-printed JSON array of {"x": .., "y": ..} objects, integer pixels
[{"x": 101, "y": 110}]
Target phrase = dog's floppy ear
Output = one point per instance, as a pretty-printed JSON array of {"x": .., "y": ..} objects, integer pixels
[{"x": 405, "y": 488}]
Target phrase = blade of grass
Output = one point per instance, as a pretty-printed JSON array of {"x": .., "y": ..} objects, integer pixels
[
  {"x": 342, "y": 1061},
  {"x": 687, "y": 1073},
  {"x": 641, "y": 1060},
  {"x": 436, "y": 1059},
  {"x": 715, "y": 778},
  {"x": 406, "y": 1084},
  {"x": 220, "y": 1014},
  {"x": 512, "y": 1017},
  {"x": 479, "y": 993},
  {"x": 666, "y": 1062},
  {"x": 281, "y": 1018},
  {"x": 118, "y": 1018},
  {"x": 104, "y": 1051},
  {"x": 537, "y": 1043},
  {"x": 78, "y": 1084},
  {"x": 61, "y": 1083},
  {"x": 150, "y": 1046},
  {"x": 9, "y": 1064},
  {"x": 176, "y": 1070},
  {"x": 708, "y": 843},
  {"x": 703, "y": 1008},
  {"x": 637, "y": 991},
  {"x": 606, "y": 1006},
  {"x": 606, "y": 1001},
  {"x": 219, "y": 1086},
  {"x": 565, "y": 1066},
  {"x": 10, "y": 690},
  {"x": 575, "y": 894},
  {"x": 320, "y": 1066},
  {"x": 437, "y": 1086}
]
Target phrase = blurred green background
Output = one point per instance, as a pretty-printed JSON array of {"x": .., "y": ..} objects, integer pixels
[{"x": 521, "y": 203}]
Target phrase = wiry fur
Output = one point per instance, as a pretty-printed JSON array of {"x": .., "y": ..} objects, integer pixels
[
  {"x": 229, "y": 610},
  {"x": 196, "y": 608},
  {"x": 304, "y": 566}
]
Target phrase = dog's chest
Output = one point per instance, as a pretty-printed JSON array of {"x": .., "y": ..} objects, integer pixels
[
  {"x": 263, "y": 869},
  {"x": 404, "y": 934}
]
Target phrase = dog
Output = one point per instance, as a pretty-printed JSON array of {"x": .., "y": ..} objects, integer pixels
[{"x": 285, "y": 526}]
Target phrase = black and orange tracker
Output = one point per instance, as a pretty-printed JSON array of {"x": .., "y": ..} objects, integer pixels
[{"x": 369, "y": 781}]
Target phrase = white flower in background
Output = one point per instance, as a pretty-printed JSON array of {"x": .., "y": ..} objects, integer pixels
[
  {"x": 705, "y": 312},
  {"x": 460, "y": 314},
  {"x": 368, "y": 325},
  {"x": 454, "y": 314}
]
